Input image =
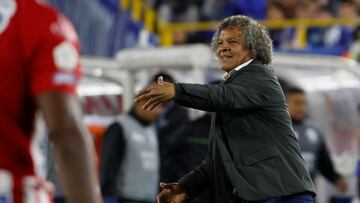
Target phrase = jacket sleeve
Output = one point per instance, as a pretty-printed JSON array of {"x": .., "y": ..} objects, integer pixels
[
  {"x": 241, "y": 94},
  {"x": 197, "y": 181},
  {"x": 325, "y": 164},
  {"x": 112, "y": 153}
]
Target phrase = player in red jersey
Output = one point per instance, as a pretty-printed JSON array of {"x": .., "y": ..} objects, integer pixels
[{"x": 39, "y": 69}]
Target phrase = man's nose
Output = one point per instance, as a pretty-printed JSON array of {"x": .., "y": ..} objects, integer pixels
[{"x": 224, "y": 47}]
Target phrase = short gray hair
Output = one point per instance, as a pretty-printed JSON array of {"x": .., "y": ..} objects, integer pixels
[{"x": 255, "y": 36}]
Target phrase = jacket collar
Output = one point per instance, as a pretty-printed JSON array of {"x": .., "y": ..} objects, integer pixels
[
  {"x": 227, "y": 75},
  {"x": 245, "y": 69}
]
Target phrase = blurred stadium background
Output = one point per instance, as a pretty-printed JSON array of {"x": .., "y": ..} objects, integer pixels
[{"x": 316, "y": 44}]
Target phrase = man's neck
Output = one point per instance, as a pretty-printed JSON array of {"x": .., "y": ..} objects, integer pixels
[
  {"x": 296, "y": 121},
  {"x": 142, "y": 121},
  {"x": 228, "y": 74}
]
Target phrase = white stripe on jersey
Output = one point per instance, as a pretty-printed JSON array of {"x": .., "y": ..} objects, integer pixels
[
  {"x": 38, "y": 146},
  {"x": 36, "y": 190},
  {"x": 7, "y": 10},
  {"x": 6, "y": 186}
]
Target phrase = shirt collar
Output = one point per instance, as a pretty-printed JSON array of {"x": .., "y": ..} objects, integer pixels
[{"x": 228, "y": 74}]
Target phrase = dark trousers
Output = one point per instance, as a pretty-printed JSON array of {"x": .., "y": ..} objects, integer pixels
[
  {"x": 301, "y": 198},
  {"x": 291, "y": 199}
]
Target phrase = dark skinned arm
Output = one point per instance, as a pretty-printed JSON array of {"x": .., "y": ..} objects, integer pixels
[{"x": 73, "y": 149}]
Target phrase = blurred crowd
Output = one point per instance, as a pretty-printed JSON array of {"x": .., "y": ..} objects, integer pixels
[{"x": 335, "y": 39}]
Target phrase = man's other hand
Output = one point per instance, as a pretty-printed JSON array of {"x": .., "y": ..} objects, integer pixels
[
  {"x": 157, "y": 94},
  {"x": 171, "y": 193}
]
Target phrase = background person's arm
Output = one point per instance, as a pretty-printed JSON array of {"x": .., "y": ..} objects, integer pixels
[
  {"x": 197, "y": 181},
  {"x": 111, "y": 157},
  {"x": 73, "y": 148},
  {"x": 327, "y": 169}
]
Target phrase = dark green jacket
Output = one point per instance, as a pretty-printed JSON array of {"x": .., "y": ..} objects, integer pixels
[{"x": 253, "y": 152}]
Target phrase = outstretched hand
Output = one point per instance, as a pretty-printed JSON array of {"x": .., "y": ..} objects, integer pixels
[
  {"x": 171, "y": 193},
  {"x": 159, "y": 93}
]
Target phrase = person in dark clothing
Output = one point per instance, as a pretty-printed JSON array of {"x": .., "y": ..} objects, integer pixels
[
  {"x": 253, "y": 152},
  {"x": 194, "y": 138},
  {"x": 311, "y": 139},
  {"x": 191, "y": 146},
  {"x": 129, "y": 158},
  {"x": 188, "y": 152},
  {"x": 171, "y": 120}
]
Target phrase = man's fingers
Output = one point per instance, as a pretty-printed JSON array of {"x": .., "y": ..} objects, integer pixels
[
  {"x": 152, "y": 103},
  {"x": 165, "y": 185},
  {"x": 145, "y": 95},
  {"x": 141, "y": 97},
  {"x": 147, "y": 104},
  {"x": 155, "y": 103},
  {"x": 168, "y": 185}
]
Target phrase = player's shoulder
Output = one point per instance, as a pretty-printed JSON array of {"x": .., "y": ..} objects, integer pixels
[
  {"x": 45, "y": 18},
  {"x": 37, "y": 11}
]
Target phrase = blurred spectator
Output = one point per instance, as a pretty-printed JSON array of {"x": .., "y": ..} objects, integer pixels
[
  {"x": 172, "y": 119},
  {"x": 318, "y": 36},
  {"x": 180, "y": 37},
  {"x": 340, "y": 37},
  {"x": 311, "y": 141},
  {"x": 179, "y": 11},
  {"x": 175, "y": 11},
  {"x": 191, "y": 150},
  {"x": 280, "y": 36},
  {"x": 355, "y": 45},
  {"x": 290, "y": 7},
  {"x": 307, "y": 9},
  {"x": 213, "y": 10},
  {"x": 347, "y": 9},
  {"x": 129, "y": 163},
  {"x": 324, "y": 12},
  {"x": 275, "y": 11}
]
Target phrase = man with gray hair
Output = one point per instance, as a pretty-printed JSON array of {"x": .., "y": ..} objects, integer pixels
[{"x": 253, "y": 152}]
